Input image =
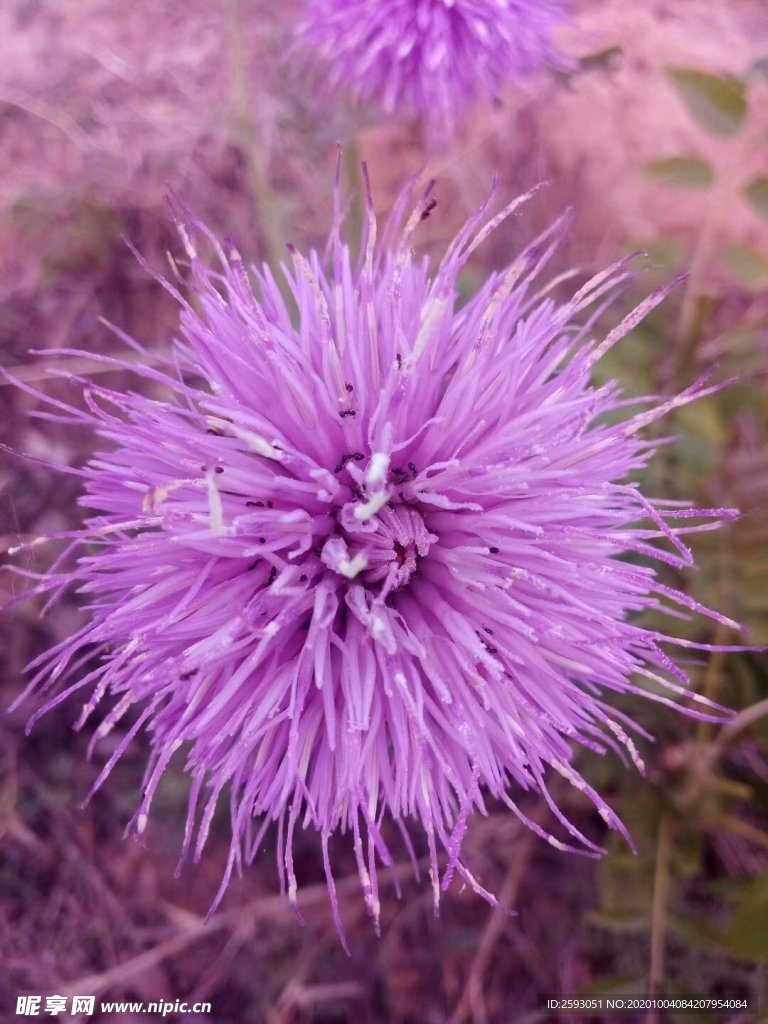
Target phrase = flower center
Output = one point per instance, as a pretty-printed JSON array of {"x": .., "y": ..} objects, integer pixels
[
  {"x": 384, "y": 548},
  {"x": 393, "y": 551}
]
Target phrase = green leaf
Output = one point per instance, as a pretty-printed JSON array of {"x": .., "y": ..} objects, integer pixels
[
  {"x": 622, "y": 923},
  {"x": 665, "y": 252},
  {"x": 756, "y": 193},
  {"x": 681, "y": 171},
  {"x": 697, "y": 931},
  {"x": 759, "y": 69},
  {"x": 747, "y": 937},
  {"x": 748, "y": 266},
  {"x": 601, "y": 59},
  {"x": 704, "y": 421},
  {"x": 717, "y": 102}
]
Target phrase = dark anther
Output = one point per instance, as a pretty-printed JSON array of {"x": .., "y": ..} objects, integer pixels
[
  {"x": 262, "y": 540},
  {"x": 270, "y": 505},
  {"x": 357, "y": 456},
  {"x": 399, "y": 360},
  {"x": 412, "y": 468},
  {"x": 349, "y": 388},
  {"x": 428, "y": 209},
  {"x": 254, "y": 504},
  {"x": 494, "y": 551},
  {"x": 219, "y": 469},
  {"x": 272, "y": 575},
  {"x": 186, "y": 675},
  {"x": 347, "y": 412},
  {"x": 303, "y": 578},
  {"x": 489, "y": 648}
]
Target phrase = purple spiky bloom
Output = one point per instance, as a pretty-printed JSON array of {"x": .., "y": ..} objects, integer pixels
[
  {"x": 431, "y": 58},
  {"x": 366, "y": 559}
]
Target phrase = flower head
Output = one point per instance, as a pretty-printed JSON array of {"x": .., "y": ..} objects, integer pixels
[
  {"x": 430, "y": 57},
  {"x": 364, "y": 559}
]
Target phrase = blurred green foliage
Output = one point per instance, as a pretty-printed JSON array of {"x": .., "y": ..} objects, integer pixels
[
  {"x": 703, "y": 812},
  {"x": 76, "y": 238},
  {"x": 717, "y": 102}
]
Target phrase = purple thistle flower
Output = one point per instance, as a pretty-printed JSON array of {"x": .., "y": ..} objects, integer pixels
[
  {"x": 364, "y": 560},
  {"x": 430, "y": 57}
]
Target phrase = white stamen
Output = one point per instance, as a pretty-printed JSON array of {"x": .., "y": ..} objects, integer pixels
[
  {"x": 255, "y": 442},
  {"x": 215, "y": 506},
  {"x": 377, "y": 469},
  {"x": 350, "y": 567},
  {"x": 371, "y": 507},
  {"x": 433, "y": 312}
]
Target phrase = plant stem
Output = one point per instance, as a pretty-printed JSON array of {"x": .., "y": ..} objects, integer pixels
[
  {"x": 742, "y": 721},
  {"x": 250, "y": 138},
  {"x": 352, "y": 185},
  {"x": 659, "y": 912}
]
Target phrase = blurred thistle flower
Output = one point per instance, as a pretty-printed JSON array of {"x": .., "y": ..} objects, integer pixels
[
  {"x": 367, "y": 560},
  {"x": 431, "y": 58}
]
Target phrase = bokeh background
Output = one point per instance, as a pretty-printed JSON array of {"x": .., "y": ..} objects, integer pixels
[{"x": 658, "y": 139}]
